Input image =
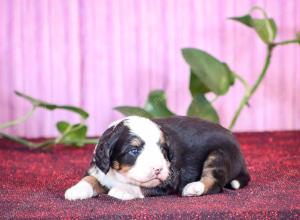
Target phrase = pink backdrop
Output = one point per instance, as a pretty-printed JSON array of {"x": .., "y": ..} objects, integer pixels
[{"x": 103, "y": 53}]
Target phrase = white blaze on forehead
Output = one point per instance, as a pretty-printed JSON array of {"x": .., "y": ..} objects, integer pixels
[
  {"x": 147, "y": 130},
  {"x": 151, "y": 157}
]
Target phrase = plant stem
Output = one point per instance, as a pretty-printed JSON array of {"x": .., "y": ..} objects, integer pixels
[
  {"x": 91, "y": 141},
  {"x": 61, "y": 137},
  {"x": 286, "y": 42},
  {"x": 242, "y": 80},
  {"x": 19, "y": 120},
  {"x": 252, "y": 90},
  {"x": 43, "y": 144},
  {"x": 22, "y": 141},
  {"x": 257, "y": 8},
  {"x": 17, "y": 139}
]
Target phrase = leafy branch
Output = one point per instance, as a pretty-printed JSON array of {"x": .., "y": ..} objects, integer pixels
[
  {"x": 210, "y": 75},
  {"x": 74, "y": 135},
  {"x": 267, "y": 30},
  {"x": 207, "y": 75}
]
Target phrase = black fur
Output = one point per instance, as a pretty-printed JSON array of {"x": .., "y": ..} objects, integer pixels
[
  {"x": 121, "y": 152},
  {"x": 114, "y": 145},
  {"x": 190, "y": 142},
  {"x": 106, "y": 145}
]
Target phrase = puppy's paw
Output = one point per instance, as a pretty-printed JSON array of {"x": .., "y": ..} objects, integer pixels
[
  {"x": 82, "y": 190},
  {"x": 122, "y": 194},
  {"x": 193, "y": 189}
]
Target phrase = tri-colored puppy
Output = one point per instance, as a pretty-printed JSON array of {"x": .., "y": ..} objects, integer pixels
[{"x": 137, "y": 157}]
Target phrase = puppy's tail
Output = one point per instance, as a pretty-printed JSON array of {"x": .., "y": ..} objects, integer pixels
[{"x": 240, "y": 181}]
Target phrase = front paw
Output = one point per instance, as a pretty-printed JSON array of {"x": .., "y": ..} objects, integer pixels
[
  {"x": 193, "y": 189},
  {"x": 82, "y": 190},
  {"x": 121, "y": 194}
]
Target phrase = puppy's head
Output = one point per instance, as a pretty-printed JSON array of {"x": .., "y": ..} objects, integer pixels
[{"x": 135, "y": 150}]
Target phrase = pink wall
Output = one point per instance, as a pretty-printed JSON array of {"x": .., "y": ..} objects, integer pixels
[{"x": 103, "y": 53}]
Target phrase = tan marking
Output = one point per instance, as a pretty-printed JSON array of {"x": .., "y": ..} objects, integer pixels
[
  {"x": 210, "y": 159},
  {"x": 208, "y": 182},
  {"x": 136, "y": 142},
  {"x": 115, "y": 165},
  {"x": 121, "y": 168},
  {"x": 124, "y": 168},
  {"x": 162, "y": 139},
  {"x": 207, "y": 171},
  {"x": 97, "y": 187},
  {"x": 207, "y": 174}
]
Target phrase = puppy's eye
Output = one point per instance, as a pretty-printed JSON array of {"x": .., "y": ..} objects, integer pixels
[{"x": 134, "y": 152}]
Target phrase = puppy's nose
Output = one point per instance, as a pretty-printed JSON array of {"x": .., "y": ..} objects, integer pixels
[{"x": 157, "y": 170}]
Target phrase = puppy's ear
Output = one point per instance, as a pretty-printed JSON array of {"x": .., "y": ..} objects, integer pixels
[
  {"x": 106, "y": 145},
  {"x": 169, "y": 152}
]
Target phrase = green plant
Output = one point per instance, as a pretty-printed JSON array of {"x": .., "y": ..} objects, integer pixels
[
  {"x": 70, "y": 134},
  {"x": 210, "y": 75},
  {"x": 207, "y": 75}
]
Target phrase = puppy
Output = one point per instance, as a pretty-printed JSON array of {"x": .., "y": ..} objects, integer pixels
[{"x": 137, "y": 157}]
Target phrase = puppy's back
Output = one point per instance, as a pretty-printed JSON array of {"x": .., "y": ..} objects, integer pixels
[{"x": 193, "y": 139}]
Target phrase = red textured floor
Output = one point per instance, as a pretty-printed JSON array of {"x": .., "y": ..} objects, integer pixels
[{"x": 32, "y": 185}]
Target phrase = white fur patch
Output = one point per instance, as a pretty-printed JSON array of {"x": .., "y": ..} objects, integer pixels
[
  {"x": 109, "y": 180},
  {"x": 143, "y": 172},
  {"x": 120, "y": 186},
  {"x": 151, "y": 158},
  {"x": 235, "y": 184},
  {"x": 126, "y": 193},
  {"x": 147, "y": 130},
  {"x": 82, "y": 190},
  {"x": 193, "y": 189}
]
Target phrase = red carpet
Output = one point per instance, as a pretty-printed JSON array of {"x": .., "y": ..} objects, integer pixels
[{"x": 32, "y": 185}]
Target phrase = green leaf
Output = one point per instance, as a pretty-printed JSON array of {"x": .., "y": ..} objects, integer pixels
[
  {"x": 196, "y": 85},
  {"x": 266, "y": 29},
  {"x": 230, "y": 75},
  {"x": 76, "y": 135},
  {"x": 49, "y": 106},
  {"x": 62, "y": 126},
  {"x": 212, "y": 73},
  {"x": 246, "y": 20},
  {"x": 77, "y": 110},
  {"x": 130, "y": 110},
  {"x": 201, "y": 108},
  {"x": 156, "y": 104},
  {"x": 298, "y": 37}
]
